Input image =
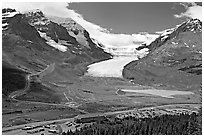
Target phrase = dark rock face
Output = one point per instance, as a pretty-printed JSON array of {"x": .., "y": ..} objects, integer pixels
[
  {"x": 83, "y": 38},
  {"x": 58, "y": 31},
  {"x": 53, "y": 30},
  {"x": 19, "y": 26},
  {"x": 6, "y": 10},
  {"x": 96, "y": 52},
  {"x": 174, "y": 60}
]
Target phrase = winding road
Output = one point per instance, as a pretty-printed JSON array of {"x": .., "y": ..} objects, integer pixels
[
  {"x": 8, "y": 129},
  {"x": 20, "y": 92}
]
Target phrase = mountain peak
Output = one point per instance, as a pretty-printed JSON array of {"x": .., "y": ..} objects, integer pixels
[
  {"x": 193, "y": 25},
  {"x": 6, "y": 14},
  {"x": 34, "y": 12},
  {"x": 36, "y": 17}
]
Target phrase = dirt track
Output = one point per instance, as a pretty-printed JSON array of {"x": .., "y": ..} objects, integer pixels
[
  {"x": 20, "y": 92},
  {"x": 13, "y": 96}
]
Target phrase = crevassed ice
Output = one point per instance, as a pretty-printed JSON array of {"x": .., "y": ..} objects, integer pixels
[
  {"x": 114, "y": 67},
  {"x": 129, "y": 50},
  {"x": 109, "y": 68}
]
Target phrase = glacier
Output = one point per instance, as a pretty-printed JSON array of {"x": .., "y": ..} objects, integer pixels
[
  {"x": 109, "y": 68},
  {"x": 114, "y": 67}
]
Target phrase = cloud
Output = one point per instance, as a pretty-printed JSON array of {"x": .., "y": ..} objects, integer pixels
[
  {"x": 192, "y": 11},
  {"x": 102, "y": 35},
  {"x": 50, "y": 8},
  {"x": 110, "y": 39}
]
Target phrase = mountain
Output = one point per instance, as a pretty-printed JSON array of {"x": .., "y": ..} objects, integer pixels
[
  {"x": 31, "y": 42},
  {"x": 174, "y": 59},
  {"x": 73, "y": 28},
  {"x": 66, "y": 31}
]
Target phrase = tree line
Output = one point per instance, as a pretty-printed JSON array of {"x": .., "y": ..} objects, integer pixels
[{"x": 183, "y": 124}]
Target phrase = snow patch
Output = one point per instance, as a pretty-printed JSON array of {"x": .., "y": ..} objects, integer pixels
[
  {"x": 4, "y": 24},
  {"x": 174, "y": 43},
  {"x": 52, "y": 42},
  {"x": 166, "y": 32},
  {"x": 40, "y": 22},
  {"x": 9, "y": 14},
  {"x": 30, "y": 41},
  {"x": 192, "y": 29},
  {"x": 164, "y": 37},
  {"x": 186, "y": 45}
]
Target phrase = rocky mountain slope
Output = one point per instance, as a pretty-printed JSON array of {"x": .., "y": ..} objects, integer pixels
[
  {"x": 73, "y": 28},
  {"x": 175, "y": 59},
  {"x": 32, "y": 41}
]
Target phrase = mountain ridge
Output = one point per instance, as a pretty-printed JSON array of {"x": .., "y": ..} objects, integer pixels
[
  {"x": 33, "y": 28},
  {"x": 175, "y": 59}
]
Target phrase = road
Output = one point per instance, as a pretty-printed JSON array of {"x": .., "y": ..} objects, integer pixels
[
  {"x": 8, "y": 129},
  {"x": 14, "y": 94},
  {"x": 20, "y": 92},
  {"x": 66, "y": 96}
]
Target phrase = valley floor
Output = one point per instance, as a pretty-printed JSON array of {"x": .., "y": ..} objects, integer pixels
[
  {"x": 94, "y": 96},
  {"x": 88, "y": 96}
]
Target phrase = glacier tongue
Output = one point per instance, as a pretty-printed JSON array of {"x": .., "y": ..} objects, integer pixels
[
  {"x": 110, "y": 68},
  {"x": 114, "y": 67},
  {"x": 122, "y": 55}
]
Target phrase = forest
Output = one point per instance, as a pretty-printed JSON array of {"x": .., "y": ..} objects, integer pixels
[{"x": 183, "y": 124}]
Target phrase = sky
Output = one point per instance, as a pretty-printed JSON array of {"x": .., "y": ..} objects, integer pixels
[
  {"x": 119, "y": 24},
  {"x": 130, "y": 17}
]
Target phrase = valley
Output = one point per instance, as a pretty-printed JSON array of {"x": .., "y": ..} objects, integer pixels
[
  {"x": 58, "y": 77},
  {"x": 87, "y": 97}
]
